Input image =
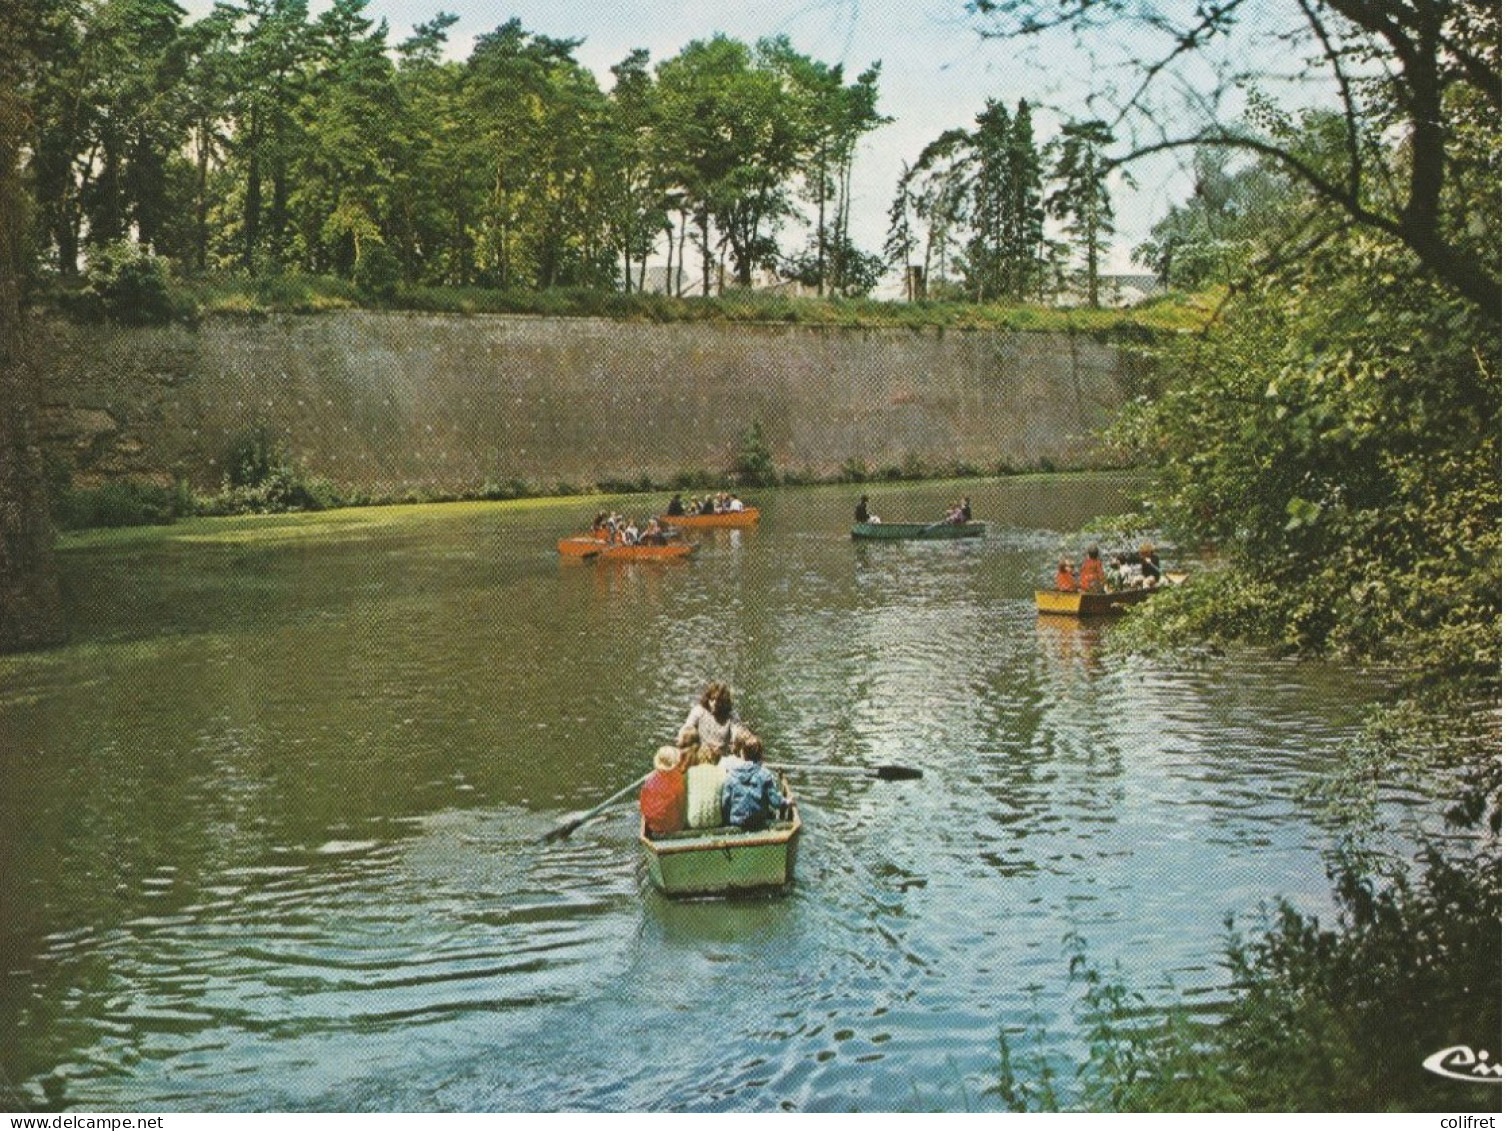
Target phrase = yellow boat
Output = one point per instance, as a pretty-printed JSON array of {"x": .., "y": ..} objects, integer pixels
[{"x": 1075, "y": 603}]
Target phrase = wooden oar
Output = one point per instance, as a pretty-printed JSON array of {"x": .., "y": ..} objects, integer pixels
[
  {"x": 559, "y": 832},
  {"x": 883, "y": 773}
]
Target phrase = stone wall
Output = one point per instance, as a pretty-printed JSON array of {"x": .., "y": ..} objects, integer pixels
[{"x": 394, "y": 401}]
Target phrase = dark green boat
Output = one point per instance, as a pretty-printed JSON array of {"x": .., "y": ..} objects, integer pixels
[{"x": 898, "y": 531}]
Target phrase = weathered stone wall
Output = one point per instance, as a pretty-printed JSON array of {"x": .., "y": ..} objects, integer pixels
[{"x": 390, "y": 401}]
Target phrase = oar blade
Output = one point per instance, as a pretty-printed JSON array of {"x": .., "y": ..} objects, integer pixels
[
  {"x": 559, "y": 832},
  {"x": 897, "y": 773}
]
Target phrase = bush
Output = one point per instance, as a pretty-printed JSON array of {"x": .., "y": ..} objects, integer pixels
[
  {"x": 753, "y": 465},
  {"x": 496, "y": 491},
  {"x": 123, "y": 502},
  {"x": 253, "y": 457},
  {"x": 696, "y": 480},
  {"x": 853, "y": 470},
  {"x": 261, "y": 478},
  {"x": 126, "y": 283},
  {"x": 1321, "y": 1019},
  {"x": 1341, "y": 1019},
  {"x": 378, "y": 272}
]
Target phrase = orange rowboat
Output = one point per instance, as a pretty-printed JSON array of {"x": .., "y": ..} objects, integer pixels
[
  {"x": 586, "y": 547},
  {"x": 734, "y": 520}
]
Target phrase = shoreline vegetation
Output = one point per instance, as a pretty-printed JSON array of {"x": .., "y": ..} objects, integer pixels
[
  {"x": 277, "y": 525},
  {"x": 285, "y": 489}
]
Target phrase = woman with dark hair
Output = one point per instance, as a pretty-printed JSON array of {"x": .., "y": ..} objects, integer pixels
[{"x": 712, "y": 718}]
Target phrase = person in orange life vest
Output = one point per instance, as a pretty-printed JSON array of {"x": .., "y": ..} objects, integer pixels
[
  {"x": 1066, "y": 580},
  {"x": 1090, "y": 578},
  {"x": 662, "y": 799}
]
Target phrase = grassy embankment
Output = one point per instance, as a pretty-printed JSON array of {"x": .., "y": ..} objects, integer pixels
[{"x": 234, "y": 295}]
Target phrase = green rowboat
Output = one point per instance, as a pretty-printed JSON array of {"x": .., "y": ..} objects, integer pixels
[
  {"x": 722, "y": 861},
  {"x": 898, "y": 531}
]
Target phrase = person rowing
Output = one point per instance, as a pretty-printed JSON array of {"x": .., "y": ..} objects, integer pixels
[{"x": 1090, "y": 579}]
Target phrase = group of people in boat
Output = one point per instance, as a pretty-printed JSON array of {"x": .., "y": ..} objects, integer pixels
[
  {"x": 713, "y": 776},
  {"x": 609, "y": 526},
  {"x": 723, "y": 502},
  {"x": 957, "y": 513},
  {"x": 1140, "y": 570}
]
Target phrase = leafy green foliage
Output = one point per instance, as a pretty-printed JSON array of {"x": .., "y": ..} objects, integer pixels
[
  {"x": 977, "y": 194},
  {"x": 262, "y": 478},
  {"x": 124, "y": 502},
  {"x": 1081, "y": 199},
  {"x": 125, "y": 283},
  {"x": 753, "y": 465},
  {"x": 378, "y": 272},
  {"x": 267, "y": 138},
  {"x": 1331, "y": 442},
  {"x": 1320, "y": 1018},
  {"x": 1235, "y": 217},
  {"x": 1338, "y": 439},
  {"x": 1340, "y": 1018}
]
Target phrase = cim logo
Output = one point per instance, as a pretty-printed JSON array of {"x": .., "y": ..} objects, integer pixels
[{"x": 1465, "y": 1063}]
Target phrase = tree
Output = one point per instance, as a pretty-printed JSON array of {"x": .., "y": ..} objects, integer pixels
[
  {"x": 983, "y": 190},
  {"x": 937, "y": 192},
  {"x": 341, "y": 202},
  {"x": 542, "y": 118},
  {"x": 734, "y": 142},
  {"x": 900, "y": 241},
  {"x": 1426, "y": 70},
  {"x": 1081, "y": 198},
  {"x": 54, "y": 118},
  {"x": 1335, "y": 435},
  {"x": 1025, "y": 210},
  {"x": 204, "y": 96},
  {"x": 835, "y": 116},
  {"x": 989, "y": 253},
  {"x": 634, "y": 180},
  {"x": 441, "y": 178},
  {"x": 107, "y": 127},
  {"x": 138, "y": 137},
  {"x": 1234, "y": 221},
  {"x": 30, "y": 605},
  {"x": 269, "y": 80}
]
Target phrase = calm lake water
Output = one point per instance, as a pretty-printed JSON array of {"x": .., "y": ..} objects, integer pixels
[{"x": 270, "y": 826}]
